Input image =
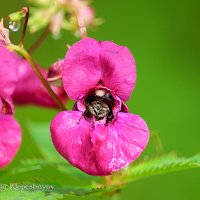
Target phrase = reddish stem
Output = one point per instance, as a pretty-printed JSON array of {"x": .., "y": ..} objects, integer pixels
[
  {"x": 38, "y": 42},
  {"x": 26, "y": 11}
]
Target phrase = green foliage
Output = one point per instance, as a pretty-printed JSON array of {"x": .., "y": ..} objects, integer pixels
[
  {"x": 56, "y": 194},
  {"x": 27, "y": 195},
  {"x": 17, "y": 16},
  {"x": 51, "y": 169},
  {"x": 161, "y": 165},
  {"x": 42, "y": 138}
]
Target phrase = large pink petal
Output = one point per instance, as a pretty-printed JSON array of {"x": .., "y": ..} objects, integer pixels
[
  {"x": 121, "y": 142},
  {"x": 118, "y": 69},
  {"x": 71, "y": 136},
  {"x": 81, "y": 70},
  {"x": 99, "y": 150},
  {"x": 8, "y": 71},
  {"x": 89, "y": 62},
  {"x": 10, "y": 139}
]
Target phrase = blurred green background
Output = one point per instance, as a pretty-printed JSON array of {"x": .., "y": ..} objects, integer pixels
[{"x": 164, "y": 37}]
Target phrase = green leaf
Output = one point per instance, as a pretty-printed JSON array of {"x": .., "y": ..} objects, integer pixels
[
  {"x": 29, "y": 165},
  {"x": 160, "y": 165},
  {"x": 17, "y": 16},
  {"x": 32, "y": 165},
  {"x": 53, "y": 169},
  {"x": 91, "y": 189},
  {"x": 12, "y": 194},
  {"x": 40, "y": 133}
]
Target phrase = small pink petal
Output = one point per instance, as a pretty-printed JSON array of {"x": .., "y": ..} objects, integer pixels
[
  {"x": 6, "y": 106},
  {"x": 56, "y": 22},
  {"x": 86, "y": 15},
  {"x": 55, "y": 69},
  {"x": 99, "y": 149},
  {"x": 4, "y": 33},
  {"x": 8, "y": 74},
  {"x": 81, "y": 70},
  {"x": 10, "y": 139}
]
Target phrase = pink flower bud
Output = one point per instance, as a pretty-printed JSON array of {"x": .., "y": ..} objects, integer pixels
[
  {"x": 86, "y": 16},
  {"x": 29, "y": 89}
]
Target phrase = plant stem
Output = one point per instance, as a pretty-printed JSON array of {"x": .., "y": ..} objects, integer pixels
[
  {"x": 157, "y": 142},
  {"x": 107, "y": 180},
  {"x": 38, "y": 42},
  {"x": 26, "y": 11},
  {"x": 28, "y": 57}
]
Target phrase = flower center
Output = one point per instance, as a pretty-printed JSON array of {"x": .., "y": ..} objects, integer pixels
[{"x": 99, "y": 104}]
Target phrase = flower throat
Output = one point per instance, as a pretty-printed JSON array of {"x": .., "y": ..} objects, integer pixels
[{"x": 99, "y": 105}]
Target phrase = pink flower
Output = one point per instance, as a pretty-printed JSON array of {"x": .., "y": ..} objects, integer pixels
[
  {"x": 20, "y": 81},
  {"x": 10, "y": 133},
  {"x": 29, "y": 89},
  {"x": 99, "y": 136}
]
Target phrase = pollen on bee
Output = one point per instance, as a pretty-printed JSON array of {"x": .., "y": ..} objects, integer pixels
[{"x": 100, "y": 93}]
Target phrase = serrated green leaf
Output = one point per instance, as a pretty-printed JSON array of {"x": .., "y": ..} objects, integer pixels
[
  {"x": 81, "y": 191},
  {"x": 17, "y": 194},
  {"x": 161, "y": 165},
  {"x": 56, "y": 170},
  {"x": 27, "y": 195}
]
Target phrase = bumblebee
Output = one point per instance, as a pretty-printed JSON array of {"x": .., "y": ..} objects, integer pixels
[{"x": 99, "y": 104}]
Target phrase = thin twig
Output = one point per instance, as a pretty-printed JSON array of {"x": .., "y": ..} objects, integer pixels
[
  {"x": 28, "y": 57},
  {"x": 38, "y": 42},
  {"x": 26, "y": 11}
]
